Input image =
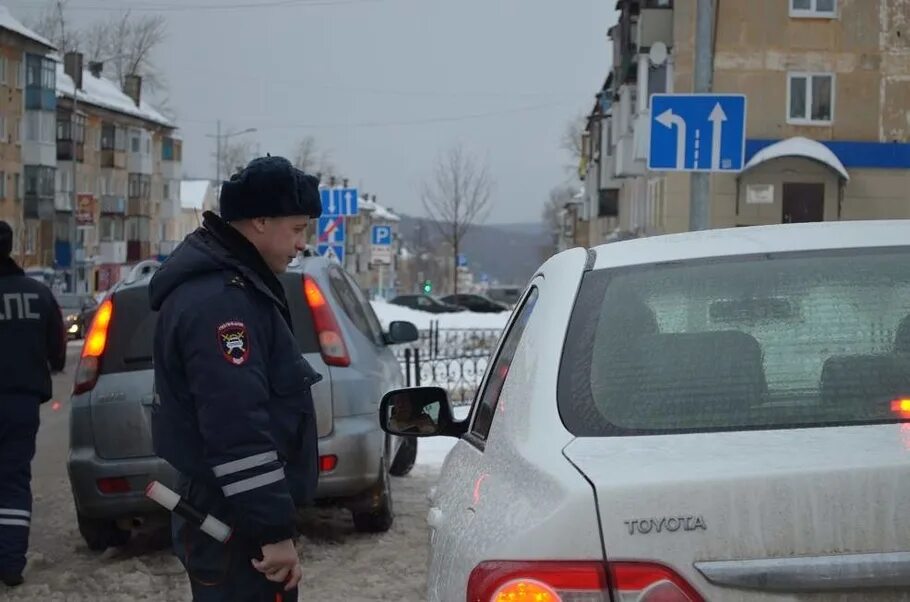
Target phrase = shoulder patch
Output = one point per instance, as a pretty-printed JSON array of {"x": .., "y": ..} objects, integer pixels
[{"x": 234, "y": 342}]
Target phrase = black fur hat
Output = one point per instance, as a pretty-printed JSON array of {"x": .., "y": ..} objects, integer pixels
[{"x": 270, "y": 187}]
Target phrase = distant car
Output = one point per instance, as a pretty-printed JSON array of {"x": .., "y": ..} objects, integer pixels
[
  {"x": 425, "y": 303},
  {"x": 475, "y": 303},
  {"x": 718, "y": 415},
  {"x": 507, "y": 295},
  {"x": 78, "y": 311},
  {"x": 112, "y": 457}
]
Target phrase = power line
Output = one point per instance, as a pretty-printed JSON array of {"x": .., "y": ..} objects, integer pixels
[
  {"x": 171, "y": 7},
  {"x": 379, "y": 124}
]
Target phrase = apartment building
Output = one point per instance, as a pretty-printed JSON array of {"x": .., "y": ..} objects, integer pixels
[
  {"x": 373, "y": 273},
  {"x": 828, "y": 126},
  {"x": 127, "y": 175},
  {"x": 27, "y": 153}
]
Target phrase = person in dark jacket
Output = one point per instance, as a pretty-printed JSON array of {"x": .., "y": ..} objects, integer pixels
[
  {"x": 32, "y": 343},
  {"x": 234, "y": 412}
]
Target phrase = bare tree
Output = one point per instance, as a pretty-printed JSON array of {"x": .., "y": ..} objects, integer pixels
[
  {"x": 456, "y": 197},
  {"x": 308, "y": 158},
  {"x": 235, "y": 154},
  {"x": 572, "y": 142},
  {"x": 552, "y": 215},
  {"x": 131, "y": 42},
  {"x": 124, "y": 43}
]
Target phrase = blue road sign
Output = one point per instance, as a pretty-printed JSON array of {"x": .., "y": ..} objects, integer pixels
[
  {"x": 330, "y": 230},
  {"x": 697, "y": 132},
  {"x": 462, "y": 261},
  {"x": 332, "y": 252},
  {"x": 382, "y": 236},
  {"x": 339, "y": 201}
]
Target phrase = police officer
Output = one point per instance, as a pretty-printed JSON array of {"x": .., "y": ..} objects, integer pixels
[
  {"x": 32, "y": 343},
  {"x": 234, "y": 414}
]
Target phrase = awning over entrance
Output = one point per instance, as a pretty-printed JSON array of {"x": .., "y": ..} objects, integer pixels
[{"x": 799, "y": 147}]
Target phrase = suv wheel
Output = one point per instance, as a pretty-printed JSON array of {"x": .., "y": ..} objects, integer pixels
[
  {"x": 379, "y": 515},
  {"x": 405, "y": 458},
  {"x": 100, "y": 534}
]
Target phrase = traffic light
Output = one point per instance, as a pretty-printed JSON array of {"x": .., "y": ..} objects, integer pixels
[{"x": 427, "y": 287}]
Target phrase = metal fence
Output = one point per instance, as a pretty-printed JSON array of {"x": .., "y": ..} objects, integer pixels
[{"x": 454, "y": 359}]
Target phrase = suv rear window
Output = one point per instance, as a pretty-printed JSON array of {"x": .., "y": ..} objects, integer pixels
[
  {"x": 301, "y": 316},
  {"x": 759, "y": 342},
  {"x": 131, "y": 332}
]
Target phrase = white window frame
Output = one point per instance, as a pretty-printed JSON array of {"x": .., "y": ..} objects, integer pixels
[
  {"x": 807, "y": 118},
  {"x": 813, "y": 12},
  {"x": 4, "y": 67}
]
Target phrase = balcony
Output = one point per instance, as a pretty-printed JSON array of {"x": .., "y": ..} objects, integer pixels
[
  {"x": 112, "y": 159},
  {"x": 39, "y": 153},
  {"x": 169, "y": 208},
  {"x": 170, "y": 170},
  {"x": 112, "y": 252},
  {"x": 65, "y": 151},
  {"x": 63, "y": 201},
  {"x": 655, "y": 25},
  {"x": 137, "y": 250},
  {"x": 113, "y": 204},
  {"x": 139, "y": 207},
  {"x": 140, "y": 163},
  {"x": 40, "y": 99},
  {"x": 41, "y": 208}
]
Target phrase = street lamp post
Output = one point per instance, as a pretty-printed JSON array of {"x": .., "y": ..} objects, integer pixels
[{"x": 219, "y": 145}]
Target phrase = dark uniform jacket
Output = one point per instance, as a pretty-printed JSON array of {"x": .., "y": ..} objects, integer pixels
[
  {"x": 234, "y": 412},
  {"x": 32, "y": 337}
]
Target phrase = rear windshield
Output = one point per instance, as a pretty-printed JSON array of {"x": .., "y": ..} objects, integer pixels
[
  {"x": 759, "y": 342},
  {"x": 131, "y": 332},
  {"x": 132, "y": 329},
  {"x": 301, "y": 316}
]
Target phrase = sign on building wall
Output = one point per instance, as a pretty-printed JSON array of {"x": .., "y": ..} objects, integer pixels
[
  {"x": 86, "y": 205},
  {"x": 760, "y": 194}
]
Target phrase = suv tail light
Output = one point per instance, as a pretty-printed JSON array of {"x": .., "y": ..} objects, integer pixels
[
  {"x": 331, "y": 342},
  {"x": 559, "y": 581},
  {"x": 93, "y": 349}
]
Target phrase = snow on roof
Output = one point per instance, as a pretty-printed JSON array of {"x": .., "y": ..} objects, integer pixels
[
  {"x": 799, "y": 147},
  {"x": 379, "y": 212},
  {"x": 104, "y": 93},
  {"x": 405, "y": 253},
  {"x": 193, "y": 193},
  {"x": 8, "y": 21}
]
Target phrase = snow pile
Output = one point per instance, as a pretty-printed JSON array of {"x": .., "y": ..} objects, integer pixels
[
  {"x": 102, "y": 92},
  {"x": 193, "y": 194},
  {"x": 380, "y": 213},
  {"x": 390, "y": 313},
  {"x": 8, "y": 21}
]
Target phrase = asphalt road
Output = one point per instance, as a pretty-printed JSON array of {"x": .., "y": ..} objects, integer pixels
[{"x": 339, "y": 563}]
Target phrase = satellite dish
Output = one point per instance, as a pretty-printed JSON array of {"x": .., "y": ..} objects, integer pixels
[{"x": 658, "y": 54}]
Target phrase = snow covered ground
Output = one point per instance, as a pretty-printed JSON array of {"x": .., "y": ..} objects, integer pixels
[{"x": 389, "y": 313}]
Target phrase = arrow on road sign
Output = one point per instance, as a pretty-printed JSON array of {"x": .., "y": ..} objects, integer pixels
[
  {"x": 669, "y": 119},
  {"x": 718, "y": 117}
]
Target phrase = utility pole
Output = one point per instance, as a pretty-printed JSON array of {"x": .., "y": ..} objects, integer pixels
[
  {"x": 220, "y": 140},
  {"x": 218, "y": 154},
  {"x": 75, "y": 146},
  {"x": 700, "y": 195}
]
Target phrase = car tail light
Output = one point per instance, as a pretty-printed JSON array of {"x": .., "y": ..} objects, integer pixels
[
  {"x": 327, "y": 463},
  {"x": 93, "y": 348},
  {"x": 644, "y": 582},
  {"x": 114, "y": 485},
  {"x": 538, "y": 582},
  {"x": 901, "y": 408},
  {"x": 557, "y": 581},
  {"x": 334, "y": 351}
]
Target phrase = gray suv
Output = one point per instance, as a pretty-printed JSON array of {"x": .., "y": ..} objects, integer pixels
[{"x": 111, "y": 454}]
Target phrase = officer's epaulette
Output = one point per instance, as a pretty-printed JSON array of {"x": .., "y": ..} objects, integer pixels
[{"x": 236, "y": 280}]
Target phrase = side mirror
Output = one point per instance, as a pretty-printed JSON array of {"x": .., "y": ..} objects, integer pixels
[
  {"x": 419, "y": 412},
  {"x": 401, "y": 332}
]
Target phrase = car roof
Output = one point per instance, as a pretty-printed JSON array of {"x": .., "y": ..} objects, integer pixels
[{"x": 778, "y": 238}]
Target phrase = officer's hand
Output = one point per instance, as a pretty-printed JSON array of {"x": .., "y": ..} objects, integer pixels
[{"x": 280, "y": 563}]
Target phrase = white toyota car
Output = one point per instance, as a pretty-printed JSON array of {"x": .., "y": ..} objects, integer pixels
[{"x": 722, "y": 415}]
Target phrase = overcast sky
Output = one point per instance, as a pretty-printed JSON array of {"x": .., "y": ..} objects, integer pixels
[{"x": 385, "y": 85}]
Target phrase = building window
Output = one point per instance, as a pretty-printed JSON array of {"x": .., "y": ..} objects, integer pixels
[
  {"x": 17, "y": 192},
  {"x": 39, "y": 180},
  {"x": 111, "y": 229},
  {"x": 2, "y": 184},
  {"x": 40, "y": 126},
  {"x": 813, "y": 8},
  {"x": 48, "y": 74},
  {"x": 3, "y": 67},
  {"x": 134, "y": 144},
  {"x": 3, "y": 131},
  {"x": 167, "y": 190},
  {"x": 810, "y": 98},
  {"x": 140, "y": 186},
  {"x": 108, "y": 136},
  {"x": 167, "y": 150},
  {"x": 31, "y": 237}
]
